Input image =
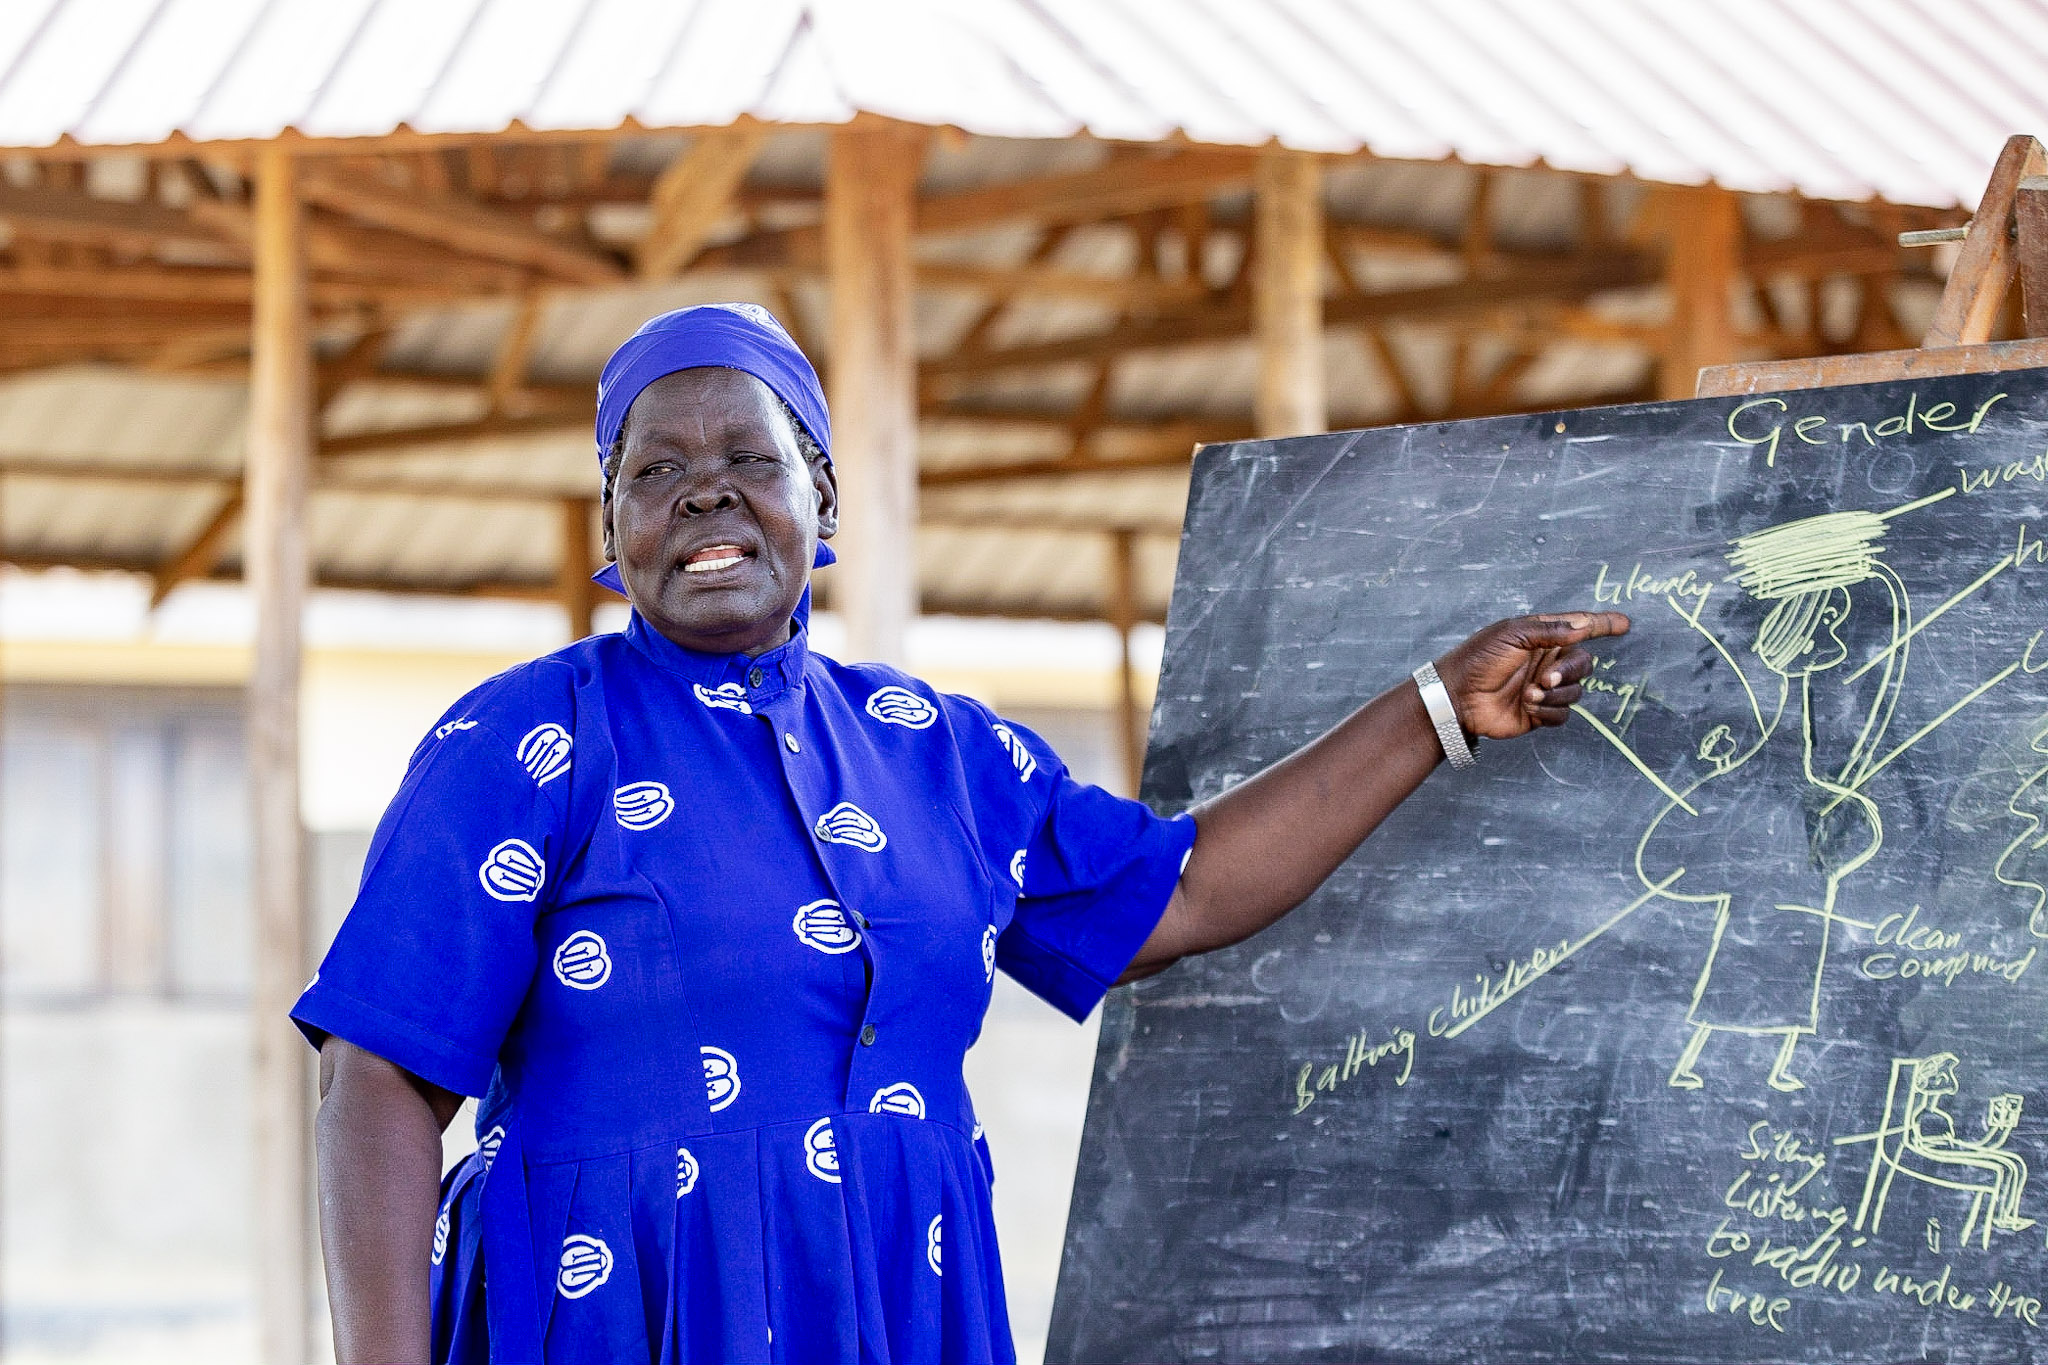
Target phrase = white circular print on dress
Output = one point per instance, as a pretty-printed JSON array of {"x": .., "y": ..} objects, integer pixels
[
  {"x": 583, "y": 963},
  {"x": 821, "y": 1152},
  {"x": 1017, "y": 868},
  {"x": 900, "y": 1098},
  {"x": 513, "y": 871},
  {"x": 686, "y": 1172},
  {"x": 642, "y": 805},
  {"x": 988, "y": 952},
  {"x": 724, "y": 697},
  {"x": 440, "y": 1239},
  {"x": 544, "y": 753},
  {"x": 826, "y": 926},
  {"x": 847, "y": 823},
  {"x": 931, "y": 1242},
  {"x": 1019, "y": 755},
  {"x": 586, "y": 1263},
  {"x": 901, "y": 706},
  {"x": 721, "y": 1077},
  {"x": 487, "y": 1146}
]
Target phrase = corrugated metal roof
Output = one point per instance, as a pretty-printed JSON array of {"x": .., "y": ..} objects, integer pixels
[{"x": 1904, "y": 100}]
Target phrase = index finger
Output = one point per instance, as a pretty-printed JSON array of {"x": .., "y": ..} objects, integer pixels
[{"x": 1569, "y": 628}]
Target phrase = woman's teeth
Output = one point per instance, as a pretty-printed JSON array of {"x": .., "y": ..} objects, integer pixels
[{"x": 718, "y": 557}]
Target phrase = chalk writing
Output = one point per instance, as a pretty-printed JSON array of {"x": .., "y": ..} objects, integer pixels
[
  {"x": 1986, "y": 477},
  {"x": 1763, "y": 421},
  {"x": 1359, "y": 1052}
]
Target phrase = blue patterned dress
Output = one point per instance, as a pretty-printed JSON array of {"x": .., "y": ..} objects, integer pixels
[{"x": 711, "y": 935}]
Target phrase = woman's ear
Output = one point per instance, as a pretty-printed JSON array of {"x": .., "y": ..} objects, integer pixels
[
  {"x": 825, "y": 480},
  {"x": 604, "y": 517}
]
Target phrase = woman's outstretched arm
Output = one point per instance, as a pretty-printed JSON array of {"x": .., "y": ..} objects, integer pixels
[
  {"x": 1266, "y": 844},
  {"x": 379, "y": 1145}
]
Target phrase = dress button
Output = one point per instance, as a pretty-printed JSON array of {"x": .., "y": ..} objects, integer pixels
[
  {"x": 867, "y": 1035},
  {"x": 789, "y": 743},
  {"x": 860, "y": 919},
  {"x": 755, "y": 677}
]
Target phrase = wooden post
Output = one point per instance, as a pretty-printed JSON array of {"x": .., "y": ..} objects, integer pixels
[
  {"x": 1123, "y": 614},
  {"x": 274, "y": 491},
  {"x": 1287, "y": 294},
  {"x": 870, "y": 204},
  {"x": 573, "y": 571},
  {"x": 1705, "y": 229}
]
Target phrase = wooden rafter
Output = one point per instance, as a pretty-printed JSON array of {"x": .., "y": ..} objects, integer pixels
[
  {"x": 51, "y": 213},
  {"x": 464, "y": 226},
  {"x": 1394, "y": 371},
  {"x": 206, "y": 284},
  {"x": 1230, "y": 321},
  {"x": 201, "y": 553},
  {"x": 1122, "y": 185},
  {"x": 544, "y": 420},
  {"x": 692, "y": 195},
  {"x": 515, "y": 350},
  {"x": 993, "y": 308}
]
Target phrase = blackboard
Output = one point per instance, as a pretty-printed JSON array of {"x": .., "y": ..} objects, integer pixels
[{"x": 1708, "y": 1028}]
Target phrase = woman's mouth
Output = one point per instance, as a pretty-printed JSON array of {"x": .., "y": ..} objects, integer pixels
[{"x": 712, "y": 558}]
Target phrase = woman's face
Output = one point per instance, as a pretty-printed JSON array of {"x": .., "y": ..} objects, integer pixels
[{"x": 714, "y": 514}]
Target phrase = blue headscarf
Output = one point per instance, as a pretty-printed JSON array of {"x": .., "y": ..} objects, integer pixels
[{"x": 732, "y": 336}]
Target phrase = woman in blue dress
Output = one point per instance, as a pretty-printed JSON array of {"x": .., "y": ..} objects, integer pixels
[{"x": 708, "y": 922}]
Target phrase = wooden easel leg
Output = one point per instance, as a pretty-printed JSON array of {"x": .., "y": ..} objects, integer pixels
[{"x": 1983, "y": 271}]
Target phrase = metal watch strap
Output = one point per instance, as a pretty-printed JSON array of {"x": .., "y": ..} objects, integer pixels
[{"x": 1436, "y": 699}]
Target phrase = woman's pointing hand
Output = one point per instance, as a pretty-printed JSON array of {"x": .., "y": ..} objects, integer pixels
[{"x": 1524, "y": 672}]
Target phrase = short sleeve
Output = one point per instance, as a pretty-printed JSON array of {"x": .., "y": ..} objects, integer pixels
[
  {"x": 1096, "y": 877},
  {"x": 438, "y": 952}
]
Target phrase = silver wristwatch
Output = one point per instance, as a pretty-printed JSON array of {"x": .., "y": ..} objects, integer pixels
[{"x": 1436, "y": 699}]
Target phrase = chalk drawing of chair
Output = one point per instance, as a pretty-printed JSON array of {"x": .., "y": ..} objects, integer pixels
[{"x": 1916, "y": 1138}]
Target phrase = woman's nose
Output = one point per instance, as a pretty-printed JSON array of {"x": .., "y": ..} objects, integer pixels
[{"x": 710, "y": 496}]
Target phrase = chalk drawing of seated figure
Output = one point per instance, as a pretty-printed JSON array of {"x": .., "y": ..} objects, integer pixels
[{"x": 1917, "y": 1138}]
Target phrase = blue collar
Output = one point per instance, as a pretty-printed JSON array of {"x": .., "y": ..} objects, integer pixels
[{"x": 761, "y": 678}]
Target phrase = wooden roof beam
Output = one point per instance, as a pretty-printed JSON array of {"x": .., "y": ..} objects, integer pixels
[
  {"x": 548, "y": 420},
  {"x": 515, "y": 350},
  {"x": 1122, "y": 185},
  {"x": 201, "y": 553},
  {"x": 463, "y": 225},
  {"x": 50, "y": 213},
  {"x": 693, "y": 195},
  {"x": 1044, "y": 281},
  {"x": 204, "y": 284},
  {"x": 375, "y": 257},
  {"x": 1571, "y": 279},
  {"x": 189, "y": 479}
]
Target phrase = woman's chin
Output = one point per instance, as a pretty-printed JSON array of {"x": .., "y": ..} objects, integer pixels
[{"x": 714, "y": 621}]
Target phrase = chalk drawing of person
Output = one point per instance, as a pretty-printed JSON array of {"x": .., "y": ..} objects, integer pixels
[
  {"x": 1921, "y": 1143},
  {"x": 1934, "y": 1134},
  {"x": 1772, "y": 870}
]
